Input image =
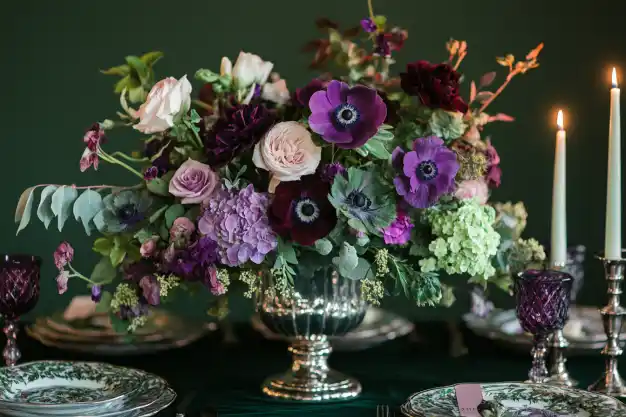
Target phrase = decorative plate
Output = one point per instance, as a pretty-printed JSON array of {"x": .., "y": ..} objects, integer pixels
[
  {"x": 584, "y": 330},
  {"x": 377, "y": 327},
  {"x": 519, "y": 400},
  {"x": 151, "y": 391},
  {"x": 59, "y": 386}
]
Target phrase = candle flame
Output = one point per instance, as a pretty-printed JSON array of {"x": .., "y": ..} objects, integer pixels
[
  {"x": 614, "y": 78},
  {"x": 559, "y": 120}
]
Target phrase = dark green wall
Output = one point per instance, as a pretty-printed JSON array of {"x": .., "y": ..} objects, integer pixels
[{"x": 51, "y": 89}]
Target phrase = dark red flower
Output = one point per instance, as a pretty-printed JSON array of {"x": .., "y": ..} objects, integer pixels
[
  {"x": 237, "y": 131},
  {"x": 303, "y": 95},
  {"x": 94, "y": 136},
  {"x": 436, "y": 85},
  {"x": 301, "y": 212}
]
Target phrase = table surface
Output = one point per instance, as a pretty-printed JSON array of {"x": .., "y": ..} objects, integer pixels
[{"x": 227, "y": 376}]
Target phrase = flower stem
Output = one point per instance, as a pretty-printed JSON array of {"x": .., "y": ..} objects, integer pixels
[
  {"x": 371, "y": 9},
  {"x": 115, "y": 161},
  {"x": 498, "y": 92},
  {"x": 77, "y": 274},
  {"x": 129, "y": 158}
]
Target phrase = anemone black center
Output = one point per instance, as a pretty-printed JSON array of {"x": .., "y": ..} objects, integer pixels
[
  {"x": 126, "y": 212},
  {"x": 359, "y": 200},
  {"x": 308, "y": 209},
  {"x": 346, "y": 114},
  {"x": 427, "y": 170}
]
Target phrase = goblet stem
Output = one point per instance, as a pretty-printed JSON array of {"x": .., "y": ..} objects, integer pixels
[
  {"x": 11, "y": 353},
  {"x": 539, "y": 372}
]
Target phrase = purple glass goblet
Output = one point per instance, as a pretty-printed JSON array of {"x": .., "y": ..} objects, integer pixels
[
  {"x": 19, "y": 293},
  {"x": 543, "y": 300}
]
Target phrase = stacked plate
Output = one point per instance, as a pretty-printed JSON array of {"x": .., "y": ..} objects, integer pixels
[
  {"x": 95, "y": 334},
  {"x": 377, "y": 327},
  {"x": 81, "y": 389}
]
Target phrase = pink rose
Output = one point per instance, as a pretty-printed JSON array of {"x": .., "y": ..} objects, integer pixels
[
  {"x": 288, "y": 152},
  {"x": 147, "y": 248},
  {"x": 182, "y": 228},
  {"x": 63, "y": 255},
  {"x": 168, "y": 100},
  {"x": 62, "y": 279},
  {"x": 473, "y": 189},
  {"x": 194, "y": 182}
]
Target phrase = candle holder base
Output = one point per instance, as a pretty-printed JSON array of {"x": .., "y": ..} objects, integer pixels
[{"x": 611, "y": 384}]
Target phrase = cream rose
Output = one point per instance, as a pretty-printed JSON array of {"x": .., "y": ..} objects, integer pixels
[
  {"x": 276, "y": 92},
  {"x": 287, "y": 152},
  {"x": 250, "y": 69},
  {"x": 473, "y": 189},
  {"x": 168, "y": 100}
]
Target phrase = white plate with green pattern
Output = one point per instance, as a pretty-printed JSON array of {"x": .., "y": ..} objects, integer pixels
[
  {"x": 153, "y": 395},
  {"x": 516, "y": 399},
  {"x": 59, "y": 387}
]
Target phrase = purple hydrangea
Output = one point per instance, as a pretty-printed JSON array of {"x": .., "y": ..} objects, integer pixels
[
  {"x": 191, "y": 263},
  {"x": 425, "y": 173},
  {"x": 346, "y": 116},
  {"x": 238, "y": 223},
  {"x": 398, "y": 232}
]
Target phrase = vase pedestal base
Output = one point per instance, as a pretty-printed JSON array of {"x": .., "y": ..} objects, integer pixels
[{"x": 334, "y": 387}]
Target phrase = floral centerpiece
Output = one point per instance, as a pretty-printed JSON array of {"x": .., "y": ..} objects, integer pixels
[{"x": 385, "y": 178}]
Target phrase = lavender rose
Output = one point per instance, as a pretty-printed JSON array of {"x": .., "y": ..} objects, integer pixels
[{"x": 194, "y": 182}]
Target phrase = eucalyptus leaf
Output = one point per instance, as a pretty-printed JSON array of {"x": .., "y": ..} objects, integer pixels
[
  {"x": 103, "y": 272},
  {"x": 323, "y": 246},
  {"x": 86, "y": 207},
  {"x": 62, "y": 201},
  {"x": 24, "y": 209},
  {"x": 363, "y": 270},
  {"x": 158, "y": 186},
  {"x": 347, "y": 260},
  {"x": 44, "y": 211},
  {"x": 172, "y": 213},
  {"x": 98, "y": 221}
]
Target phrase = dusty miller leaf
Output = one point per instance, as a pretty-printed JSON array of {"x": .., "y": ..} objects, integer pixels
[{"x": 44, "y": 211}]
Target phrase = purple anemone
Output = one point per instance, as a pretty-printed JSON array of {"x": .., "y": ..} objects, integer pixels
[
  {"x": 346, "y": 116},
  {"x": 425, "y": 173}
]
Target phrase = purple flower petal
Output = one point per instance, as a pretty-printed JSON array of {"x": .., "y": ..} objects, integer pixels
[
  {"x": 397, "y": 156},
  {"x": 402, "y": 188},
  {"x": 419, "y": 198},
  {"x": 410, "y": 163},
  {"x": 319, "y": 102},
  {"x": 337, "y": 92}
]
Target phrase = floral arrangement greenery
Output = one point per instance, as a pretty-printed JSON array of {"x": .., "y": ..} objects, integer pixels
[{"x": 384, "y": 178}]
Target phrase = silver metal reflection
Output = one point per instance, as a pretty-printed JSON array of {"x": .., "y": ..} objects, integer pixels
[
  {"x": 611, "y": 383},
  {"x": 325, "y": 305}
]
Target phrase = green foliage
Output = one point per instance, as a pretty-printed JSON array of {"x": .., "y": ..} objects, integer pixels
[
  {"x": 423, "y": 288},
  {"x": 62, "y": 201},
  {"x": 323, "y": 246},
  {"x": 377, "y": 146},
  {"x": 143, "y": 235},
  {"x": 24, "y": 208},
  {"x": 103, "y": 245},
  {"x": 137, "y": 76},
  {"x": 103, "y": 272},
  {"x": 172, "y": 213},
  {"x": 44, "y": 211},
  {"x": 104, "y": 305},
  {"x": 347, "y": 260},
  {"x": 86, "y": 207},
  {"x": 158, "y": 186}
]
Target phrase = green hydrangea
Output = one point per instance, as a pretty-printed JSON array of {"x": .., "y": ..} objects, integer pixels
[
  {"x": 447, "y": 125},
  {"x": 363, "y": 200},
  {"x": 511, "y": 219},
  {"x": 526, "y": 254},
  {"x": 464, "y": 240}
]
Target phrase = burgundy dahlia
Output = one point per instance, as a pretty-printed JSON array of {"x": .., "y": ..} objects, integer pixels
[
  {"x": 237, "y": 131},
  {"x": 436, "y": 85},
  {"x": 301, "y": 211},
  {"x": 303, "y": 95}
]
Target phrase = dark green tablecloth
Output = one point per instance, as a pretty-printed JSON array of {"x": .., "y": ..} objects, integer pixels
[{"x": 227, "y": 377}]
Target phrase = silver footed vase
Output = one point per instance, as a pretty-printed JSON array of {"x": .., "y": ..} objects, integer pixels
[{"x": 318, "y": 307}]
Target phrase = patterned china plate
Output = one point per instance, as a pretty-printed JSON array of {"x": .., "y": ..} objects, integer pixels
[
  {"x": 377, "y": 327},
  {"x": 148, "y": 397},
  {"x": 584, "y": 331},
  {"x": 56, "y": 387},
  {"x": 519, "y": 400}
]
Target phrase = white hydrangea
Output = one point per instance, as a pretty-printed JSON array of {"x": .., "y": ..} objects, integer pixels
[{"x": 465, "y": 240}]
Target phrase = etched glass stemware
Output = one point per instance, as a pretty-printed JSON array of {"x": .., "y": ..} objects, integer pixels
[
  {"x": 543, "y": 300},
  {"x": 19, "y": 293}
]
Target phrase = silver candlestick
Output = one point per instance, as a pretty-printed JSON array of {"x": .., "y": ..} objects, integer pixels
[
  {"x": 559, "y": 344},
  {"x": 611, "y": 383}
]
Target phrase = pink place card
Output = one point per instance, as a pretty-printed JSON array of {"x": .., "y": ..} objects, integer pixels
[{"x": 468, "y": 397}]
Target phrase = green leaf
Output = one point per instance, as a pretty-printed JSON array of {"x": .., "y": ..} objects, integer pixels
[
  {"x": 121, "y": 70},
  {"x": 383, "y": 135},
  {"x": 86, "y": 207},
  {"x": 119, "y": 326},
  {"x": 104, "y": 305},
  {"x": 164, "y": 232},
  {"x": 98, "y": 221},
  {"x": 287, "y": 252},
  {"x": 347, "y": 260},
  {"x": 157, "y": 214},
  {"x": 103, "y": 272},
  {"x": 44, "y": 211},
  {"x": 172, "y": 213},
  {"x": 62, "y": 200},
  {"x": 24, "y": 208},
  {"x": 151, "y": 58},
  {"x": 357, "y": 225},
  {"x": 194, "y": 117},
  {"x": 193, "y": 213},
  {"x": 136, "y": 94},
  {"x": 362, "y": 271},
  {"x": 207, "y": 76},
  {"x": 377, "y": 149},
  {"x": 323, "y": 246},
  {"x": 117, "y": 255},
  {"x": 158, "y": 186},
  {"x": 139, "y": 67},
  {"x": 362, "y": 151},
  {"x": 143, "y": 235},
  {"x": 103, "y": 246},
  {"x": 380, "y": 21},
  {"x": 126, "y": 82}
]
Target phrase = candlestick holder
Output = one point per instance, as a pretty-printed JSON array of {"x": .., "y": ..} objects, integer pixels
[
  {"x": 611, "y": 383},
  {"x": 559, "y": 344}
]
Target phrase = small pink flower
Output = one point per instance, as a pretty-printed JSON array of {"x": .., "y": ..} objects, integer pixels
[
  {"x": 62, "y": 279},
  {"x": 151, "y": 290},
  {"x": 169, "y": 254},
  {"x": 193, "y": 182},
  {"x": 211, "y": 281},
  {"x": 63, "y": 255},
  {"x": 94, "y": 137},
  {"x": 398, "y": 232},
  {"x": 88, "y": 159},
  {"x": 473, "y": 189},
  {"x": 147, "y": 248},
  {"x": 182, "y": 228}
]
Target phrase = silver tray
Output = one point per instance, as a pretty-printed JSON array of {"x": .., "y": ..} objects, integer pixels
[
  {"x": 377, "y": 327},
  {"x": 584, "y": 330}
]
